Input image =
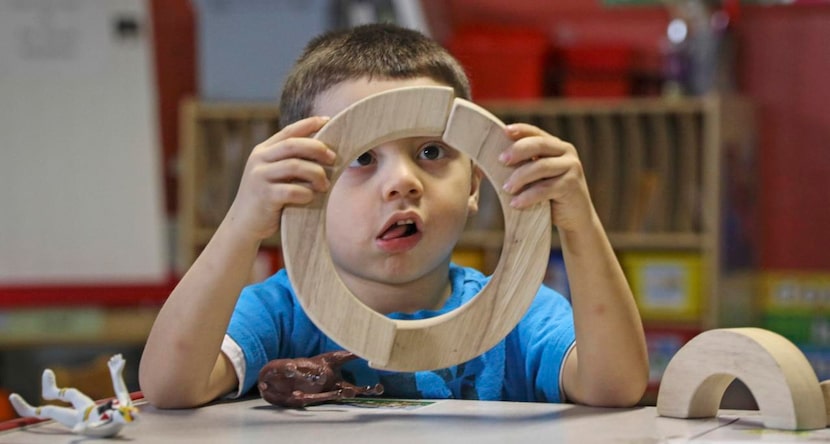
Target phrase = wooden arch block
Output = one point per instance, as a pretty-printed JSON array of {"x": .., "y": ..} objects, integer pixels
[
  {"x": 773, "y": 368},
  {"x": 453, "y": 337}
]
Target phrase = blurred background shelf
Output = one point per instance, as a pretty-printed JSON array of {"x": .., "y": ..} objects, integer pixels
[
  {"x": 655, "y": 166},
  {"x": 75, "y": 327}
]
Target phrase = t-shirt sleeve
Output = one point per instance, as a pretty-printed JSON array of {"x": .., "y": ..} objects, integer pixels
[
  {"x": 258, "y": 326},
  {"x": 546, "y": 336},
  {"x": 237, "y": 359}
]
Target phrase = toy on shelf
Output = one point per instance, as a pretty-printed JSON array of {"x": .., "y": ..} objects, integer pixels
[
  {"x": 780, "y": 378},
  {"x": 305, "y": 381},
  {"x": 85, "y": 417}
]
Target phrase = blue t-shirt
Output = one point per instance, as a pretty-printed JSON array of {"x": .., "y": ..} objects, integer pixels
[{"x": 269, "y": 323}]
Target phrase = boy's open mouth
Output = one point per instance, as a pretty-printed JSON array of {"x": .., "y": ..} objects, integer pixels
[{"x": 400, "y": 229}]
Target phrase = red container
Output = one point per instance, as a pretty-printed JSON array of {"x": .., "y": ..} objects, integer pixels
[
  {"x": 597, "y": 71},
  {"x": 596, "y": 86},
  {"x": 598, "y": 58},
  {"x": 502, "y": 62}
]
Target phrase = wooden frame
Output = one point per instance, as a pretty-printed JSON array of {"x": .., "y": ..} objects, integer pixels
[{"x": 453, "y": 337}]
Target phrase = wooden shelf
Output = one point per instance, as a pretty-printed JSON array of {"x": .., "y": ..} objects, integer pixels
[
  {"x": 81, "y": 326},
  {"x": 655, "y": 167},
  {"x": 493, "y": 239}
]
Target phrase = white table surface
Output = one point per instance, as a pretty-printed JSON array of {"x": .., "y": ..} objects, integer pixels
[{"x": 255, "y": 421}]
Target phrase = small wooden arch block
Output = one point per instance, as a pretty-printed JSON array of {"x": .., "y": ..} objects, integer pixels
[
  {"x": 453, "y": 337},
  {"x": 773, "y": 368}
]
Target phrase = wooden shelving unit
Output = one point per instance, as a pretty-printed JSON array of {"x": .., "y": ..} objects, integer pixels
[
  {"x": 75, "y": 327},
  {"x": 657, "y": 171},
  {"x": 216, "y": 139}
]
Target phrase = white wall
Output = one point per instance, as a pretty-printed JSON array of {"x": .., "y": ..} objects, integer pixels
[
  {"x": 80, "y": 179},
  {"x": 246, "y": 47}
]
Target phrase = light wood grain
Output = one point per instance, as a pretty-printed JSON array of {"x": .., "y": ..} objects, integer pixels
[
  {"x": 661, "y": 160},
  {"x": 189, "y": 186},
  {"x": 687, "y": 213},
  {"x": 773, "y": 368},
  {"x": 451, "y": 338},
  {"x": 825, "y": 390},
  {"x": 632, "y": 207},
  {"x": 582, "y": 139},
  {"x": 605, "y": 189}
]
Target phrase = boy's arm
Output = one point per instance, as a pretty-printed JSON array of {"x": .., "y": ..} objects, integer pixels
[
  {"x": 182, "y": 365},
  {"x": 609, "y": 365}
]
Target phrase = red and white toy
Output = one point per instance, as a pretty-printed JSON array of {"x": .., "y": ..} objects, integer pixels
[{"x": 85, "y": 417}]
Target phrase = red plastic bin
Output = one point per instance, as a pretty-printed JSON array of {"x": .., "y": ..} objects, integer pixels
[
  {"x": 597, "y": 71},
  {"x": 502, "y": 62}
]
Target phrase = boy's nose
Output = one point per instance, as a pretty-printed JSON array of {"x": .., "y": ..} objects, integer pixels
[{"x": 401, "y": 180}]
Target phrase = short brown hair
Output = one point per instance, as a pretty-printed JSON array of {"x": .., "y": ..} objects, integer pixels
[{"x": 379, "y": 51}]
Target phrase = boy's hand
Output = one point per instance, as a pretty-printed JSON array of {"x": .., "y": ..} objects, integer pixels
[
  {"x": 547, "y": 168},
  {"x": 286, "y": 169}
]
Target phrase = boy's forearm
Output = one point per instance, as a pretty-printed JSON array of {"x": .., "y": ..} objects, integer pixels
[
  {"x": 612, "y": 356},
  {"x": 184, "y": 343}
]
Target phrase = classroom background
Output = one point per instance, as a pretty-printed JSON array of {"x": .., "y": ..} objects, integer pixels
[{"x": 124, "y": 126}]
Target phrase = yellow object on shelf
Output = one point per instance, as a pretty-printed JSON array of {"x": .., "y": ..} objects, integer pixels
[
  {"x": 469, "y": 257},
  {"x": 788, "y": 292},
  {"x": 666, "y": 285}
]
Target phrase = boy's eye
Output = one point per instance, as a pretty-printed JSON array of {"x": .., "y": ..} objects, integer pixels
[
  {"x": 432, "y": 151},
  {"x": 362, "y": 160}
]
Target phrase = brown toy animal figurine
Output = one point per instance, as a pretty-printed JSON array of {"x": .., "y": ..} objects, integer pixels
[{"x": 305, "y": 381}]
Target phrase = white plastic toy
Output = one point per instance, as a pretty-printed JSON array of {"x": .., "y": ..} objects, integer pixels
[{"x": 85, "y": 417}]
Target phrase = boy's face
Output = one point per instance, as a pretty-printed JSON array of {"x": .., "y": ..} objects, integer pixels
[{"x": 396, "y": 212}]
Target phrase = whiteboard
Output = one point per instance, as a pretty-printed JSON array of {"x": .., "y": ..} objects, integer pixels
[{"x": 80, "y": 177}]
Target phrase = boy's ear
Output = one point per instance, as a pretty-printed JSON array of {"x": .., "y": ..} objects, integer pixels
[{"x": 475, "y": 188}]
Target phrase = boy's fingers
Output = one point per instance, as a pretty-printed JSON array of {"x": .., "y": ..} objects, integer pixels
[
  {"x": 541, "y": 191},
  {"x": 531, "y": 148},
  {"x": 301, "y": 128},
  {"x": 294, "y": 141},
  {"x": 528, "y": 149},
  {"x": 296, "y": 171},
  {"x": 518, "y": 130},
  {"x": 292, "y": 194},
  {"x": 534, "y": 172},
  {"x": 300, "y": 148}
]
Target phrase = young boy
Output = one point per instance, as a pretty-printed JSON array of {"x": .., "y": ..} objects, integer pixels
[{"x": 392, "y": 222}]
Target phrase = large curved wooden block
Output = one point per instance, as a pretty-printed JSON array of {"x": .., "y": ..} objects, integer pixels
[
  {"x": 456, "y": 336},
  {"x": 773, "y": 368}
]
